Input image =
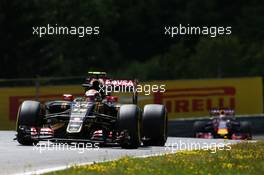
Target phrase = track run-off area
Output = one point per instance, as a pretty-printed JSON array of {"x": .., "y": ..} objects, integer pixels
[{"x": 47, "y": 156}]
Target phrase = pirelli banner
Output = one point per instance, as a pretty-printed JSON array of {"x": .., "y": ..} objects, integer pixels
[
  {"x": 193, "y": 98},
  {"x": 183, "y": 98}
]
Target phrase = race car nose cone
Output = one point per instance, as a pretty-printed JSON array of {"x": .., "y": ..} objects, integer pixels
[{"x": 222, "y": 131}]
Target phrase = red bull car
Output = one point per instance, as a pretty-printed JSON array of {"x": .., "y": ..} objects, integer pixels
[
  {"x": 223, "y": 124},
  {"x": 95, "y": 117}
]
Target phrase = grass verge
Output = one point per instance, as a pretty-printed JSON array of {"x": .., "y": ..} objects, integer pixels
[{"x": 243, "y": 158}]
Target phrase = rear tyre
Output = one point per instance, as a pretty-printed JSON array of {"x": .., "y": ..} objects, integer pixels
[
  {"x": 28, "y": 116},
  {"x": 246, "y": 128},
  {"x": 128, "y": 123},
  {"x": 154, "y": 125},
  {"x": 199, "y": 126}
]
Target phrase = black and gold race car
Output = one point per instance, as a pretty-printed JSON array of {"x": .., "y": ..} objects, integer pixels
[{"x": 95, "y": 117}]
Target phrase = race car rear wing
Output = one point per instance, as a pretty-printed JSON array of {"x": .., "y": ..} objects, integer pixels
[
  {"x": 222, "y": 111},
  {"x": 99, "y": 81},
  {"x": 122, "y": 86}
]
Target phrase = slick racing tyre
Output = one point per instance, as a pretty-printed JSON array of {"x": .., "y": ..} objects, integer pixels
[
  {"x": 28, "y": 116},
  {"x": 199, "y": 126},
  {"x": 154, "y": 125},
  {"x": 245, "y": 128},
  {"x": 129, "y": 125}
]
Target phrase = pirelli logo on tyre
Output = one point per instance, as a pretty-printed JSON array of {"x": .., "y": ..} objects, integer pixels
[{"x": 194, "y": 98}]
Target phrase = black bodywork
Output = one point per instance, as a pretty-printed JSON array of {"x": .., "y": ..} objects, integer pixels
[
  {"x": 95, "y": 116},
  {"x": 102, "y": 120}
]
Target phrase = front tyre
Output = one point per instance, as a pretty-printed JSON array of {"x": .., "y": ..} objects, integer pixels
[
  {"x": 246, "y": 129},
  {"x": 129, "y": 125},
  {"x": 28, "y": 116}
]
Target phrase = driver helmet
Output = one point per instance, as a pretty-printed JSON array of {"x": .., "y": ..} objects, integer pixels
[
  {"x": 92, "y": 95},
  {"x": 222, "y": 114}
]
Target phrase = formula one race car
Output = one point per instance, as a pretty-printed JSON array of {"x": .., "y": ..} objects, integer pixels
[
  {"x": 223, "y": 124},
  {"x": 96, "y": 117}
]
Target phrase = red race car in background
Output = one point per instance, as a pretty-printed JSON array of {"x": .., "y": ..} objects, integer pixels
[{"x": 223, "y": 124}]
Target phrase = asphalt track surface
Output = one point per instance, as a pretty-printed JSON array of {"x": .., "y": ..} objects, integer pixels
[{"x": 17, "y": 159}]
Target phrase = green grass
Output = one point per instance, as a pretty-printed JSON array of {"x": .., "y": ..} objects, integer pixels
[{"x": 243, "y": 158}]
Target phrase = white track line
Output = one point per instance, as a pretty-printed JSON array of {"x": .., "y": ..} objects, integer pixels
[
  {"x": 48, "y": 170},
  {"x": 63, "y": 167}
]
